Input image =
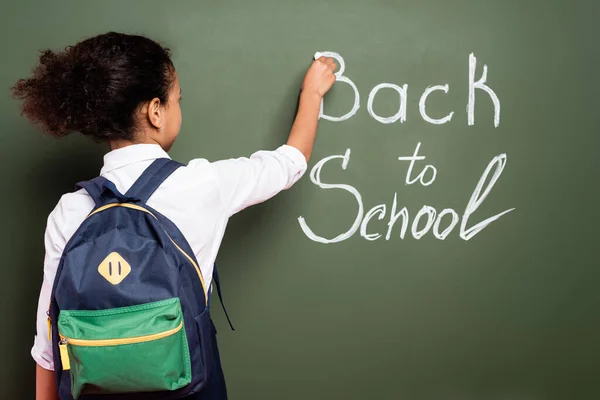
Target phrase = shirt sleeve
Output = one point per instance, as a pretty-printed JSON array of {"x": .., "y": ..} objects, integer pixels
[
  {"x": 54, "y": 242},
  {"x": 250, "y": 180}
]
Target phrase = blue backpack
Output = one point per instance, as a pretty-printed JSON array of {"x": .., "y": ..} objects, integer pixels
[{"x": 129, "y": 311}]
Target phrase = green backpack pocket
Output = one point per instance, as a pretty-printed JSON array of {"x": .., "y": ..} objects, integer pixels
[{"x": 132, "y": 349}]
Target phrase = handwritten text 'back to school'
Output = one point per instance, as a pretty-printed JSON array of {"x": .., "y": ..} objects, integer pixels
[{"x": 440, "y": 224}]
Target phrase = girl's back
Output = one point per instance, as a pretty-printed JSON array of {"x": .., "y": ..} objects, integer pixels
[{"x": 124, "y": 90}]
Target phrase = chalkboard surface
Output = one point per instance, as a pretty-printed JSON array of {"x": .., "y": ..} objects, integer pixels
[{"x": 442, "y": 244}]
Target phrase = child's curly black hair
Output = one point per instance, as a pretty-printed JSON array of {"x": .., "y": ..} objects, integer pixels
[{"x": 95, "y": 86}]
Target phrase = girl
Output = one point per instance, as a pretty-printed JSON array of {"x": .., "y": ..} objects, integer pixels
[{"x": 124, "y": 90}]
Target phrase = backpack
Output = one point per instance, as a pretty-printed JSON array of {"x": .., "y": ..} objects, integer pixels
[{"x": 129, "y": 311}]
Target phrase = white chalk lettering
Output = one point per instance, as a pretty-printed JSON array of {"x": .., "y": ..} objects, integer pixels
[
  {"x": 421, "y": 176},
  {"x": 379, "y": 209},
  {"x": 433, "y": 219},
  {"x": 425, "y": 210},
  {"x": 401, "y": 114},
  {"x": 480, "y": 84},
  {"x": 403, "y": 94},
  {"x": 394, "y": 217},
  {"x": 448, "y": 230},
  {"x": 427, "y": 219},
  {"x": 477, "y": 199},
  {"x": 315, "y": 177},
  {"x": 424, "y": 115}
]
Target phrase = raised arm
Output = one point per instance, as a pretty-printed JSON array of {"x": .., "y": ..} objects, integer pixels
[
  {"x": 317, "y": 82},
  {"x": 250, "y": 180}
]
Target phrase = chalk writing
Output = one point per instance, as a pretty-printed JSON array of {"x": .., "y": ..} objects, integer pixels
[
  {"x": 426, "y": 219},
  {"x": 421, "y": 175},
  {"x": 433, "y": 219},
  {"x": 401, "y": 114},
  {"x": 403, "y": 94}
]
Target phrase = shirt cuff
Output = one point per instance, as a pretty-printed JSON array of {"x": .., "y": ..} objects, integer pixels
[
  {"x": 41, "y": 358},
  {"x": 295, "y": 155}
]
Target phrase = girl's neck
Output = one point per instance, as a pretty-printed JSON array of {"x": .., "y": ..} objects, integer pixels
[{"x": 120, "y": 143}]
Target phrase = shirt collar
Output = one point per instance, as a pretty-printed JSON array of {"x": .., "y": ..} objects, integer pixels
[{"x": 130, "y": 155}]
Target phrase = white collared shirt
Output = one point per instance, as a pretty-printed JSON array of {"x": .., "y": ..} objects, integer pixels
[{"x": 199, "y": 198}]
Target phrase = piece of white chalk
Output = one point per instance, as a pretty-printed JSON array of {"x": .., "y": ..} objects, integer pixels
[{"x": 317, "y": 55}]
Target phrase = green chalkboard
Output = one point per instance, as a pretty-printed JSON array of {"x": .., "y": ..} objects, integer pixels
[{"x": 455, "y": 309}]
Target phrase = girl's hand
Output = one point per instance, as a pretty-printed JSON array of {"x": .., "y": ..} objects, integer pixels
[{"x": 320, "y": 77}]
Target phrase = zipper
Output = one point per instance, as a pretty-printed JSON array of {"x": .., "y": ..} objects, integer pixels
[
  {"x": 49, "y": 325},
  {"x": 116, "y": 342},
  {"x": 66, "y": 341}
]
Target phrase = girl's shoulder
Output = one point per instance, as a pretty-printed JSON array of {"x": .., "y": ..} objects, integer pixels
[{"x": 66, "y": 217}]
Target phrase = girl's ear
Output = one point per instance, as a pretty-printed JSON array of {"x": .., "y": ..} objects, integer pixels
[{"x": 154, "y": 113}]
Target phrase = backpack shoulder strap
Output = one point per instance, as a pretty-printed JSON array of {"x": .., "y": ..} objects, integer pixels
[
  {"x": 102, "y": 191},
  {"x": 218, "y": 284},
  {"x": 152, "y": 178}
]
